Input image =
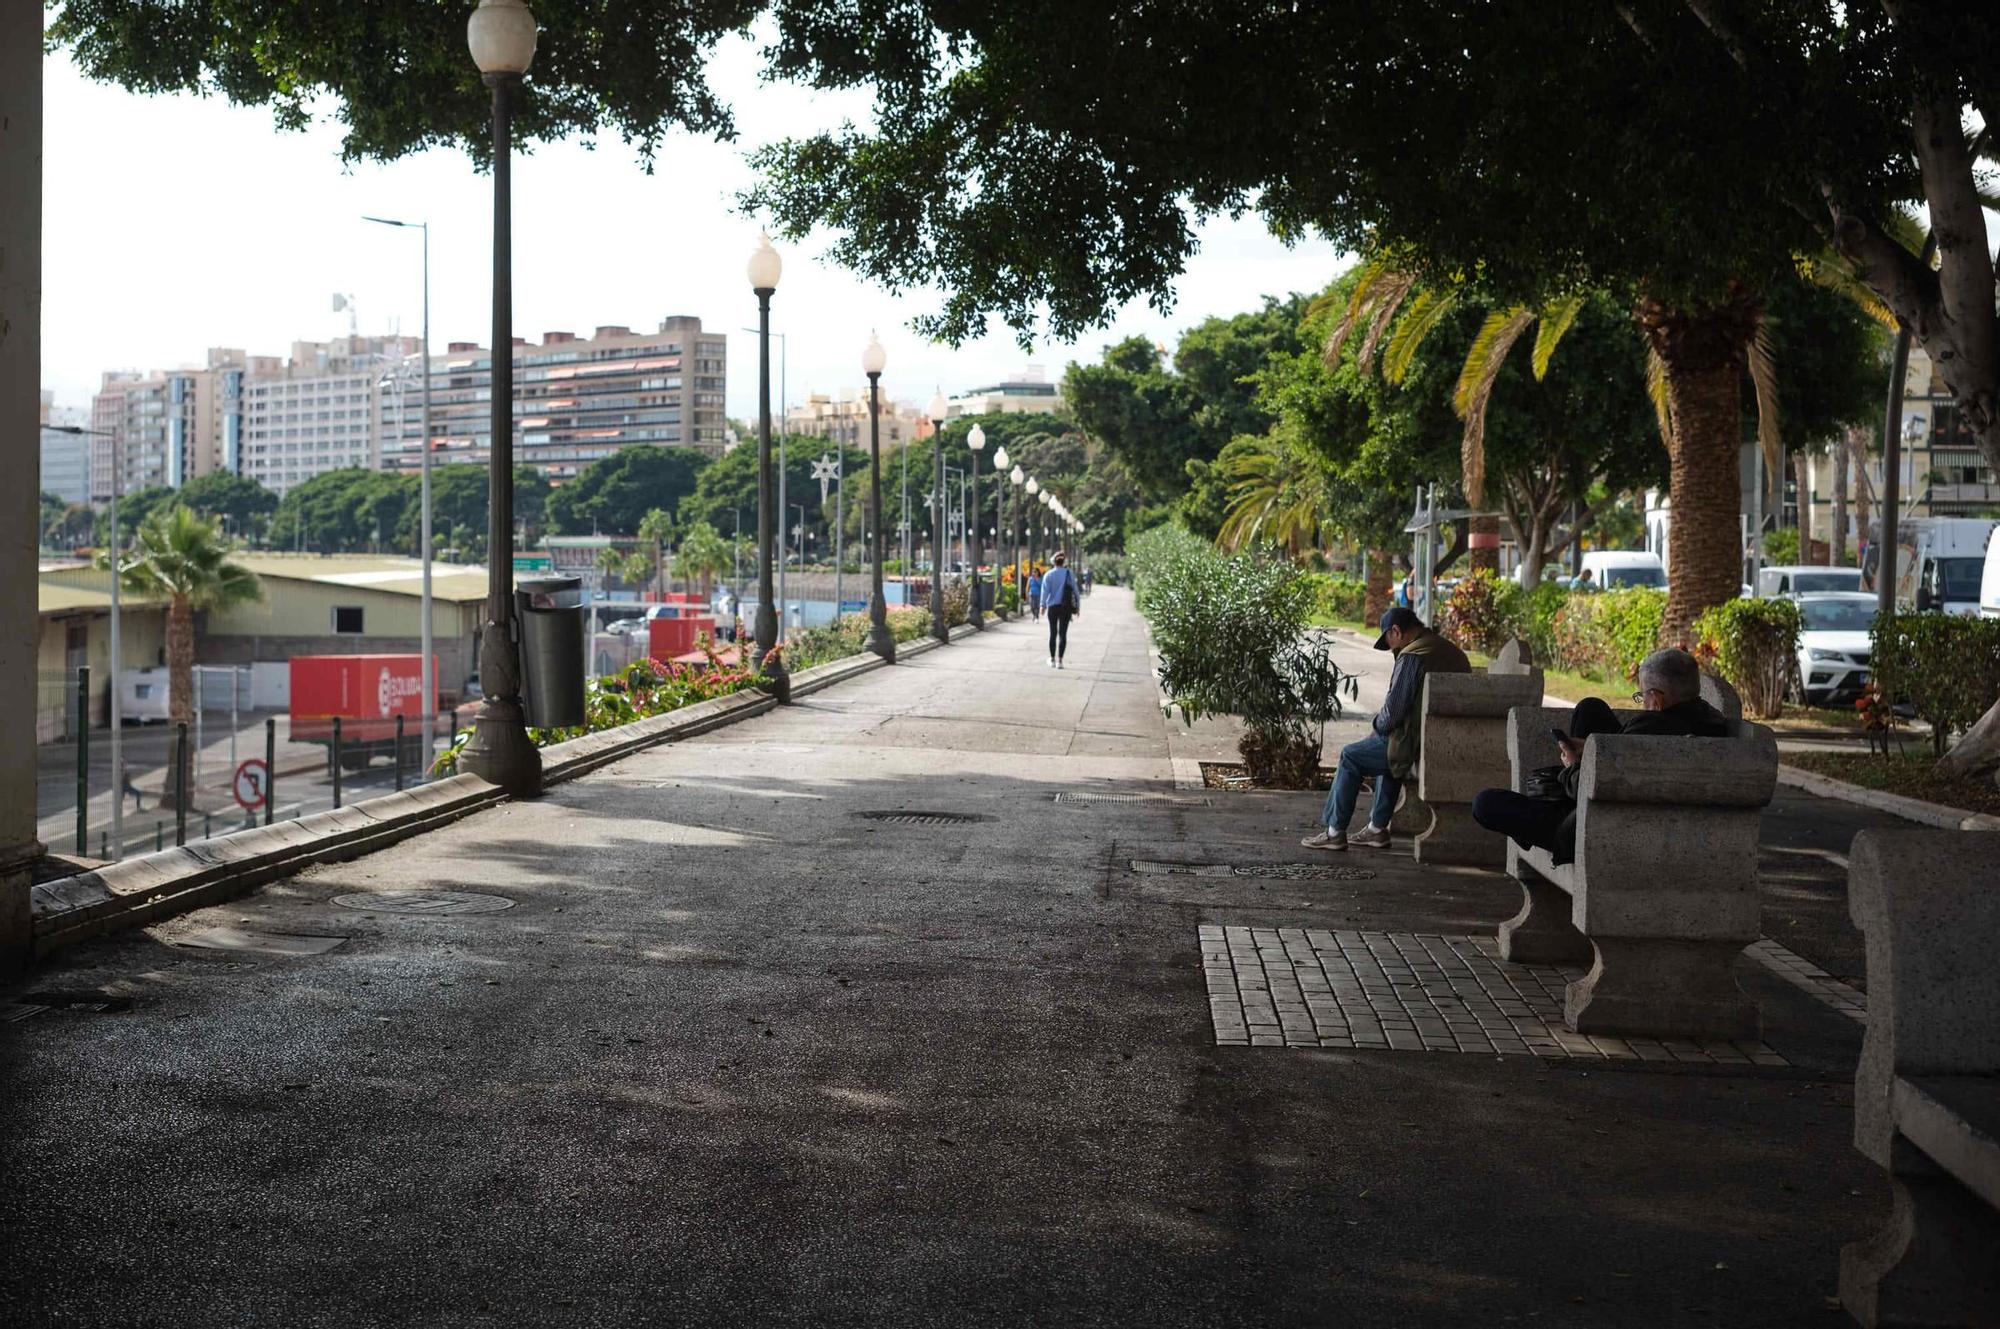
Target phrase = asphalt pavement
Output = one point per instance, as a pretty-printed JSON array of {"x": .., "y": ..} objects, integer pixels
[{"x": 840, "y": 1016}]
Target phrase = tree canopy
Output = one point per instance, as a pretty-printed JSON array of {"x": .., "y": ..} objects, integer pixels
[{"x": 612, "y": 495}]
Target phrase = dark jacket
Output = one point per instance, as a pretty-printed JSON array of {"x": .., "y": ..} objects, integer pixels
[
  {"x": 1694, "y": 718},
  {"x": 1401, "y": 719}
]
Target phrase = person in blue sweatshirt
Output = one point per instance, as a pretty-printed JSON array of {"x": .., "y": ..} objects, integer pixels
[{"x": 1060, "y": 600}]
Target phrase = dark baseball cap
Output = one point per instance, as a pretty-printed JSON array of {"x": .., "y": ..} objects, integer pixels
[{"x": 1398, "y": 617}]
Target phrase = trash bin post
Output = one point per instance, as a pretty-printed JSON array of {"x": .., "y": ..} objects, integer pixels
[
  {"x": 550, "y": 613},
  {"x": 270, "y": 768}
]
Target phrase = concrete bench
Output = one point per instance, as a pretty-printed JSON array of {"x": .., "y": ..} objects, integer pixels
[
  {"x": 1663, "y": 892},
  {"x": 1927, "y": 1089},
  {"x": 1465, "y": 751}
]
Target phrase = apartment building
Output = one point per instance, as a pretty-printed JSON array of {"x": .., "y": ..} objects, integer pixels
[
  {"x": 65, "y": 457},
  {"x": 316, "y": 411},
  {"x": 169, "y": 426},
  {"x": 843, "y": 417},
  {"x": 576, "y": 399},
  {"x": 1029, "y": 391}
]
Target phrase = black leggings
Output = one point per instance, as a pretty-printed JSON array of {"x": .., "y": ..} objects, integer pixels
[
  {"x": 1058, "y": 631},
  {"x": 1544, "y": 823}
]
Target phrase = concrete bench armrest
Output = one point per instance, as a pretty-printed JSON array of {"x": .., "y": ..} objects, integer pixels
[
  {"x": 1955, "y": 1120},
  {"x": 1737, "y": 772},
  {"x": 1529, "y": 746},
  {"x": 1480, "y": 695}
]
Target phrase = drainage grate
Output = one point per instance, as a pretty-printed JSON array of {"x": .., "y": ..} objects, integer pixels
[
  {"x": 1168, "y": 799},
  {"x": 424, "y": 902},
  {"x": 922, "y": 818},
  {"x": 95, "y": 1003},
  {"x": 1304, "y": 872}
]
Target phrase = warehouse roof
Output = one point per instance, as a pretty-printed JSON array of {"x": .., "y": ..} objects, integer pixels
[{"x": 396, "y": 575}]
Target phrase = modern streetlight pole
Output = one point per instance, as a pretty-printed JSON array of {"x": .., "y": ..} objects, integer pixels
[
  {"x": 976, "y": 440},
  {"x": 939, "y": 628},
  {"x": 424, "y": 491},
  {"x": 880, "y": 640},
  {"x": 117, "y": 700},
  {"x": 765, "y": 267},
  {"x": 501, "y": 34}
]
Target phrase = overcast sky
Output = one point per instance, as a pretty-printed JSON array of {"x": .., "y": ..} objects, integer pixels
[{"x": 175, "y": 224}]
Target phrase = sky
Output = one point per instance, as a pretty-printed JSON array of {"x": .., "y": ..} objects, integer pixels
[{"x": 173, "y": 224}]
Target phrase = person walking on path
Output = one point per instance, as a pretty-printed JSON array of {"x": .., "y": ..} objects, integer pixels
[
  {"x": 1670, "y": 692},
  {"x": 1034, "y": 593},
  {"x": 1390, "y": 751},
  {"x": 1060, "y": 598}
]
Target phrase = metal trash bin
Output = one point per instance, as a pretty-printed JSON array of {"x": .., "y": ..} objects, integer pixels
[{"x": 550, "y": 612}]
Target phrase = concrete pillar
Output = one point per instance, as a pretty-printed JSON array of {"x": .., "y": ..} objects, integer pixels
[{"x": 20, "y": 454}]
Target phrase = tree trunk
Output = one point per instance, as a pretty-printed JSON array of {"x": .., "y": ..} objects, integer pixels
[
  {"x": 1483, "y": 544},
  {"x": 1864, "y": 489},
  {"x": 1703, "y": 352},
  {"x": 1533, "y": 554},
  {"x": 1802, "y": 478},
  {"x": 1978, "y": 751},
  {"x": 180, "y": 692},
  {"x": 1375, "y": 591},
  {"x": 1837, "y": 537}
]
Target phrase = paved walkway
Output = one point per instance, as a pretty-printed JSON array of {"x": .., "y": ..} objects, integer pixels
[{"x": 842, "y": 1015}]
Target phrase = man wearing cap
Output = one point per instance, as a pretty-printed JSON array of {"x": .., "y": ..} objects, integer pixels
[{"x": 1389, "y": 753}]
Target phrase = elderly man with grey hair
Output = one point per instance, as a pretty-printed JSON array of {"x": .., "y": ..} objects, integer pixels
[{"x": 1670, "y": 692}]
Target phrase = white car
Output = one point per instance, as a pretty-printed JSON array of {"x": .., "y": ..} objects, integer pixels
[{"x": 1834, "y": 645}]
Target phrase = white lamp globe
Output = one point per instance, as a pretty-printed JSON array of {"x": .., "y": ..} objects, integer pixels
[
  {"x": 764, "y": 266},
  {"x": 976, "y": 440},
  {"x": 501, "y": 34},
  {"x": 939, "y": 408},
  {"x": 1000, "y": 459},
  {"x": 1034, "y": 487},
  {"x": 1016, "y": 475},
  {"x": 874, "y": 359},
  {"x": 1044, "y": 496}
]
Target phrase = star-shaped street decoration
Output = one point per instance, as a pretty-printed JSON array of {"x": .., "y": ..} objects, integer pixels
[{"x": 825, "y": 470}]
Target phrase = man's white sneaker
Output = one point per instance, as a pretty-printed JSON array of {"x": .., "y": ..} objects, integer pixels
[
  {"x": 1371, "y": 837},
  {"x": 1326, "y": 839}
]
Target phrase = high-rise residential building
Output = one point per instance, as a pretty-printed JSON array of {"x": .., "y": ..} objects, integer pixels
[
  {"x": 1030, "y": 391},
  {"x": 576, "y": 399},
  {"x": 316, "y": 411},
  {"x": 843, "y": 417},
  {"x": 169, "y": 426},
  {"x": 65, "y": 456}
]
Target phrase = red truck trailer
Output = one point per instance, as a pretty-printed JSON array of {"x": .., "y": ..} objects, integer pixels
[{"x": 367, "y": 692}]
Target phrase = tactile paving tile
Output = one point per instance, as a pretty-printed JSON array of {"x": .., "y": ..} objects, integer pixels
[{"x": 1410, "y": 992}]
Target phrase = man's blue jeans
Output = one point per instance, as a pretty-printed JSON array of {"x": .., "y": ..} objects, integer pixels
[{"x": 1369, "y": 756}]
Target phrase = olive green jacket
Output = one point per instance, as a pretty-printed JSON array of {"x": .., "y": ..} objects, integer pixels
[{"x": 1401, "y": 720}]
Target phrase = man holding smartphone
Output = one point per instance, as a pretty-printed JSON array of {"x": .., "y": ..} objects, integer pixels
[{"x": 1544, "y": 815}]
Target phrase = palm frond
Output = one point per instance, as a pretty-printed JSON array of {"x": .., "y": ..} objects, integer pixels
[
  {"x": 1656, "y": 390},
  {"x": 1482, "y": 368},
  {"x": 1833, "y": 273},
  {"x": 1764, "y": 378},
  {"x": 1422, "y": 313},
  {"x": 1373, "y": 271},
  {"x": 1394, "y": 289},
  {"x": 1554, "y": 325}
]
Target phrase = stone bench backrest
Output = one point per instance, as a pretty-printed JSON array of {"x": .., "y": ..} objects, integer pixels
[{"x": 1928, "y": 905}]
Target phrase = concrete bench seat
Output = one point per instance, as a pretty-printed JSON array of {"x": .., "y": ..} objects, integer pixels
[
  {"x": 1927, "y": 1089},
  {"x": 1465, "y": 750},
  {"x": 1663, "y": 892}
]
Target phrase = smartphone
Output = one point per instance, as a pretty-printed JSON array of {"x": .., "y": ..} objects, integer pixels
[{"x": 1559, "y": 736}]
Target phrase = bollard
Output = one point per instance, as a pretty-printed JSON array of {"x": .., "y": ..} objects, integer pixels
[
  {"x": 207, "y": 830},
  {"x": 336, "y": 761},
  {"x": 104, "y": 845},
  {"x": 83, "y": 760},
  {"x": 159, "y": 836},
  {"x": 399, "y": 754},
  {"x": 181, "y": 790},
  {"x": 270, "y": 770}
]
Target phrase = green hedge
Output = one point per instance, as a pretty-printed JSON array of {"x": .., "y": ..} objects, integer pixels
[
  {"x": 1947, "y": 667},
  {"x": 807, "y": 647},
  {"x": 1604, "y": 635},
  {"x": 1755, "y": 645}
]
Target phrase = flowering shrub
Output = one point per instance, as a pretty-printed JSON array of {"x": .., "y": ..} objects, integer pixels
[
  {"x": 1481, "y": 615},
  {"x": 849, "y": 636},
  {"x": 1755, "y": 645},
  {"x": 1606, "y": 634}
]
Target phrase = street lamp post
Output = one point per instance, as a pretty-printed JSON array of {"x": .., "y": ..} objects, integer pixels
[
  {"x": 1017, "y": 537},
  {"x": 117, "y": 701},
  {"x": 501, "y": 34},
  {"x": 880, "y": 640},
  {"x": 939, "y": 628},
  {"x": 765, "y": 267},
  {"x": 424, "y": 492},
  {"x": 976, "y": 440},
  {"x": 1001, "y": 461},
  {"x": 1034, "y": 492}
]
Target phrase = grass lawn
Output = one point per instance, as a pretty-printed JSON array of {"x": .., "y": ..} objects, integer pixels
[{"x": 1908, "y": 774}]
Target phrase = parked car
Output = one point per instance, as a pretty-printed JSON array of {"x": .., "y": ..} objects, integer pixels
[
  {"x": 1623, "y": 569},
  {"x": 1834, "y": 645},
  {"x": 624, "y": 626},
  {"x": 1806, "y": 579}
]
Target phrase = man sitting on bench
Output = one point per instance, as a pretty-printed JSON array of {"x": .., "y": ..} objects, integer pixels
[{"x": 1544, "y": 817}]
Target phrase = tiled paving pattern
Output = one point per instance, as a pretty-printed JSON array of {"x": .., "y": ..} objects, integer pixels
[
  {"x": 1313, "y": 987},
  {"x": 1803, "y": 973}
]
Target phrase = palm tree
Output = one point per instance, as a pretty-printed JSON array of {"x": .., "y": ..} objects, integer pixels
[
  {"x": 658, "y": 527},
  {"x": 703, "y": 554},
  {"x": 1277, "y": 491},
  {"x": 181, "y": 558}
]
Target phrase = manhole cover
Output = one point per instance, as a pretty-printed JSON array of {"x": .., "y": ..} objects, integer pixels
[
  {"x": 923, "y": 818},
  {"x": 423, "y": 902},
  {"x": 1304, "y": 872},
  {"x": 1167, "y": 799}
]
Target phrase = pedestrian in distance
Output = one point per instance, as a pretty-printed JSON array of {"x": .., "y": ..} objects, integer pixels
[
  {"x": 1083, "y": 579},
  {"x": 125, "y": 786},
  {"x": 1395, "y": 737},
  {"x": 1034, "y": 593},
  {"x": 1060, "y": 600},
  {"x": 1544, "y": 815}
]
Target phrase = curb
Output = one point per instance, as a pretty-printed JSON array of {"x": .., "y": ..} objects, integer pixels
[
  {"x": 1910, "y": 809},
  {"x": 156, "y": 886}
]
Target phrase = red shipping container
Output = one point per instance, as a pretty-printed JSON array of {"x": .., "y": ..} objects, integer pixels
[
  {"x": 669, "y": 637},
  {"x": 367, "y": 692}
]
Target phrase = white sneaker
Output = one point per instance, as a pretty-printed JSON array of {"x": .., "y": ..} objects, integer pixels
[
  {"x": 1052, "y": 662},
  {"x": 1371, "y": 837},
  {"x": 1326, "y": 839}
]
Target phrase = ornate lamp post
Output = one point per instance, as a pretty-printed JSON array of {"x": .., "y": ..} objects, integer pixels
[
  {"x": 939, "y": 628},
  {"x": 501, "y": 34},
  {"x": 1001, "y": 462},
  {"x": 873, "y": 361},
  {"x": 1034, "y": 491},
  {"x": 976, "y": 440},
  {"x": 1017, "y": 477},
  {"x": 764, "y": 269}
]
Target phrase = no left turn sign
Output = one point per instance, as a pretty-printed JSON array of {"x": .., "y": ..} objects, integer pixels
[{"x": 252, "y": 782}]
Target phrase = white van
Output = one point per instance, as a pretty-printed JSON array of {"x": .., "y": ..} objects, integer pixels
[
  {"x": 1623, "y": 569},
  {"x": 1989, "y": 582},
  {"x": 1951, "y": 553},
  {"x": 1805, "y": 579}
]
